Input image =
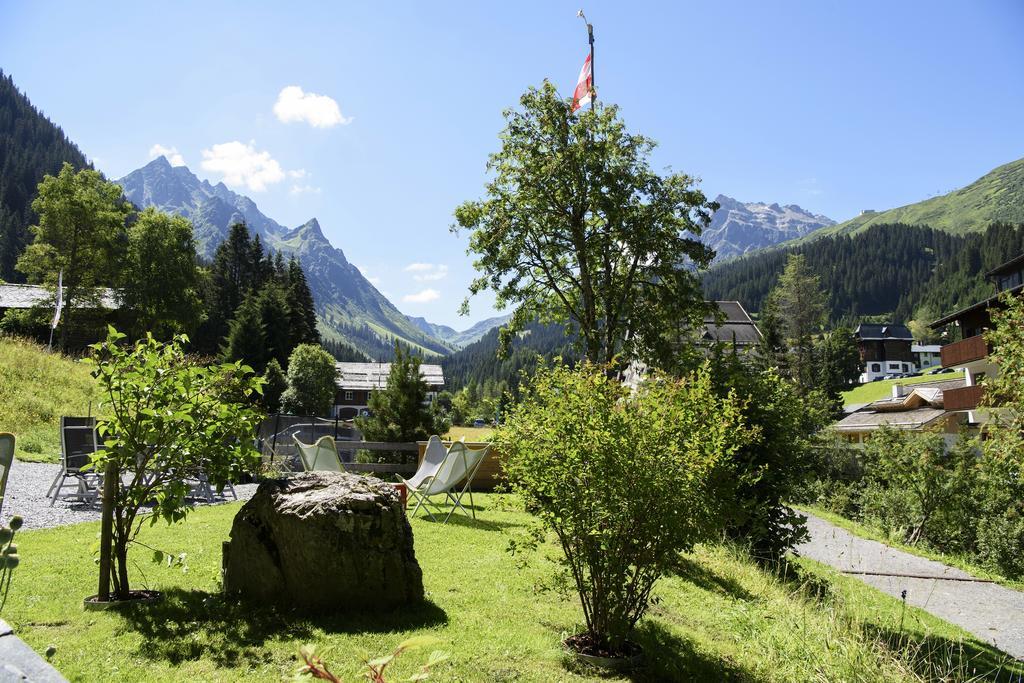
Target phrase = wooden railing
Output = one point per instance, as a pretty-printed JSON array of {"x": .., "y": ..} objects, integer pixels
[
  {"x": 963, "y": 398},
  {"x": 964, "y": 351}
]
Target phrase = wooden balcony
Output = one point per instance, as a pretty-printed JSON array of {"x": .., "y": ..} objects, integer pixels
[
  {"x": 964, "y": 398},
  {"x": 964, "y": 351}
]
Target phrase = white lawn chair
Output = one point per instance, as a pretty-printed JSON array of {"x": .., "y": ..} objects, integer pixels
[
  {"x": 321, "y": 456},
  {"x": 460, "y": 465},
  {"x": 6, "y": 460}
]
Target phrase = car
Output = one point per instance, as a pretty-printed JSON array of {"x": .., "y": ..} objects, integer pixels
[
  {"x": 479, "y": 423},
  {"x": 894, "y": 375},
  {"x": 941, "y": 371}
]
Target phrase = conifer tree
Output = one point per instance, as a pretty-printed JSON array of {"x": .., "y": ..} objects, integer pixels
[
  {"x": 246, "y": 340},
  {"x": 301, "y": 310}
]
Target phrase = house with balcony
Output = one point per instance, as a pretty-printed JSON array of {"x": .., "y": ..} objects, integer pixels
[
  {"x": 915, "y": 408},
  {"x": 356, "y": 382},
  {"x": 885, "y": 350},
  {"x": 970, "y": 353}
]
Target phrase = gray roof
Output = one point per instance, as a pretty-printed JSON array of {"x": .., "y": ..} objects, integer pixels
[
  {"x": 737, "y": 325},
  {"x": 375, "y": 375},
  {"x": 30, "y": 296},
  {"x": 882, "y": 332},
  {"x": 904, "y": 419}
]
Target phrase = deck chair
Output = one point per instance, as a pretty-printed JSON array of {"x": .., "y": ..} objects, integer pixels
[
  {"x": 6, "y": 460},
  {"x": 460, "y": 465},
  {"x": 321, "y": 456},
  {"x": 78, "y": 441}
]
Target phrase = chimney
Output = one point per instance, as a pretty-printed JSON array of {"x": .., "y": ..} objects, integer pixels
[{"x": 900, "y": 390}]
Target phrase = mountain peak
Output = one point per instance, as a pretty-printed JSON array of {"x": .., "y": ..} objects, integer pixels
[
  {"x": 739, "y": 227},
  {"x": 159, "y": 162}
]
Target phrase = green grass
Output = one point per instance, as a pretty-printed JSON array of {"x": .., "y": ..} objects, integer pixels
[
  {"x": 716, "y": 617},
  {"x": 36, "y": 388},
  {"x": 471, "y": 433},
  {"x": 874, "y": 391},
  {"x": 874, "y": 534}
]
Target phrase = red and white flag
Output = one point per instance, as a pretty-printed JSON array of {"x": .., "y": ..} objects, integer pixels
[{"x": 584, "y": 87}]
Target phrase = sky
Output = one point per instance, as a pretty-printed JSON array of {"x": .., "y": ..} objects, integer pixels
[{"x": 377, "y": 118}]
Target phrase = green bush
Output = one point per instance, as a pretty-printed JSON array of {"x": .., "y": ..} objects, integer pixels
[
  {"x": 311, "y": 386},
  {"x": 625, "y": 481}
]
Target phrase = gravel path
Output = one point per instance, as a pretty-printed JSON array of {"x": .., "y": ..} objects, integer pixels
[
  {"x": 26, "y": 496},
  {"x": 991, "y": 612}
]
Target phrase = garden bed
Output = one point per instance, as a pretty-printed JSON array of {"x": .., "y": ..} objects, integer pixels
[{"x": 717, "y": 617}]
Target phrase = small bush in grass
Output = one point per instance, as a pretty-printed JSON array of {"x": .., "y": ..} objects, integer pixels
[{"x": 625, "y": 481}]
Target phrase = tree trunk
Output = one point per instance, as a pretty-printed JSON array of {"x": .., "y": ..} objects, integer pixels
[{"x": 110, "y": 477}]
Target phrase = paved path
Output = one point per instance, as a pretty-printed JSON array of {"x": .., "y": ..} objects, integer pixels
[
  {"x": 26, "y": 496},
  {"x": 991, "y": 612}
]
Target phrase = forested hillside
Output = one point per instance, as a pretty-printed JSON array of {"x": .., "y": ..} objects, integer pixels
[
  {"x": 31, "y": 146},
  {"x": 479, "y": 364},
  {"x": 902, "y": 272}
]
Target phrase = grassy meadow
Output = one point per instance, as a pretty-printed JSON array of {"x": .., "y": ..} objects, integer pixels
[
  {"x": 36, "y": 388},
  {"x": 874, "y": 391},
  {"x": 717, "y": 616}
]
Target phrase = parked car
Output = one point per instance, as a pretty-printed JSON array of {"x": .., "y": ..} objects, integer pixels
[
  {"x": 479, "y": 422},
  {"x": 941, "y": 371}
]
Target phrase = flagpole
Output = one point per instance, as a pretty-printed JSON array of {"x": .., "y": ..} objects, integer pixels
[{"x": 590, "y": 38}]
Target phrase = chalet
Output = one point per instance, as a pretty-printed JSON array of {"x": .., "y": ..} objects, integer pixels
[
  {"x": 971, "y": 353},
  {"x": 885, "y": 350},
  {"x": 37, "y": 296},
  {"x": 927, "y": 355},
  {"x": 356, "y": 382},
  {"x": 915, "y": 408}
]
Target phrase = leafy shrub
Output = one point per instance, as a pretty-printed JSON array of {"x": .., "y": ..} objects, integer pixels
[
  {"x": 625, "y": 481},
  {"x": 311, "y": 384}
]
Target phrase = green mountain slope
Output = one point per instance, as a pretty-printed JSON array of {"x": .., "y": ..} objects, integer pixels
[{"x": 998, "y": 196}]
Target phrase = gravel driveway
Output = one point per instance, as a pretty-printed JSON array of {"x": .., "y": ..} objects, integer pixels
[
  {"x": 26, "y": 496},
  {"x": 991, "y": 612}
]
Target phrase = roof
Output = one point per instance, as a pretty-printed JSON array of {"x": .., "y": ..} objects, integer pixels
[
  {"x": 737, "y": 327},
  {"x": 1010, "y": 266},
  {"x": 906, "y": 419},
  {"x": 375, "y": 375},
  {"x": 30, "y": 296},
  {"x": 925, "y": 348},
  {"x": 883, "y": 332},
  {"x": 981, "y": 305}
]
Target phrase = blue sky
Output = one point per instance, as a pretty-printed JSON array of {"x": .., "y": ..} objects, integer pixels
[{"x": 837, "y": 107}]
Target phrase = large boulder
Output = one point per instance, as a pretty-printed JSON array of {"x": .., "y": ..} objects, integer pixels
[{"x": 323, "y": 542}]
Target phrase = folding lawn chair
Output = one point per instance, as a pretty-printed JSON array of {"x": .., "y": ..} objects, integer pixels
[
  {"x": 460, "y": 465},
  {"x": 78, "y": 441},
  {"x": 321, "y": 456},
  {"x": 6, "y": 459}
]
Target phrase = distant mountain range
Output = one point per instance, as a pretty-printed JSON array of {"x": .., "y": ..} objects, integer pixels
[
  {"x": 998, "y": 196},
  {"x": 464, "y": 338},
  {"x": 738, "y": 228},
  {"x": 348, "y": 306}
]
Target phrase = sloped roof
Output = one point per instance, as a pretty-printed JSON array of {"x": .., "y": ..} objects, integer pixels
[
  {"x": 370, "y": 376},
  {"x": 904, "y": 419},
  {"x": 738, "y": 327},
  {"x": 883, "y": 332},
  {"x": 30, "y": 296},
  {"x": 1009, "y": 267}
]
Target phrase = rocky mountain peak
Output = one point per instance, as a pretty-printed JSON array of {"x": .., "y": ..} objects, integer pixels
[{"x": 738, "y": 227}]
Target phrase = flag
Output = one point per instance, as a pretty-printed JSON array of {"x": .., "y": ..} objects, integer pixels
[
  {"x": 584, "y": 87},
  {"x": 60, "y": 300}
]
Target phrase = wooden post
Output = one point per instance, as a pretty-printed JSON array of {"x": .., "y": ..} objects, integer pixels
[{"x": 110, "y": 476}]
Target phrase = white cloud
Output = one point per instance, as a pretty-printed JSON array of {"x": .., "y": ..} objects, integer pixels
[
  {"x": 319, "y": 111},
  {"x": 241, "y": 164},
  {"x": 297, "y": 173},
  {"x": 422, "y": 297},
  {"x": 303, "y": 189},
  {"x": 172, "y": 154},
  {"x": 427, "y": 272}
]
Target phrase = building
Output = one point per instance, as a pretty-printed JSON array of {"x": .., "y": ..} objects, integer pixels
[
  {"x": 927, "y": 355},
  {"x": 38, "y": 296},
  {"x": 916, "y": 408},
  {"x": 885, "y": 350},
  {"x": 971, "y": 353},
  {"x": 356, "y": 382}
]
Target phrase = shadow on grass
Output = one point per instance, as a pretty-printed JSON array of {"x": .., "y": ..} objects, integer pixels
[
  {"x": 935, "y": 658},
  {"x": 701, "y": 576},
  {"x": 669, "y": 658},
  {"x": 459, "y": 519},
  {"x": 190, "y": 625}
]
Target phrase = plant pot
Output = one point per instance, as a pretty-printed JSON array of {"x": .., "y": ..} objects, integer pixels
[
  {"x": 93, "y": 604},
  {"x": 403, "y": 493},
  {"x": 581, "y": 648}
]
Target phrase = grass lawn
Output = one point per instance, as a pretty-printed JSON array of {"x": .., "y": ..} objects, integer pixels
[
  {"x": 36, "y": 388},
  {"x": 471, "y": 433},
  {"x": 873, "y": 391},
  {"x": 716, "y": 617},
  {"x": 871, "y": 533}
]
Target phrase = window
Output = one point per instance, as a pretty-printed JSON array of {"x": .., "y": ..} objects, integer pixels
[
  {"x": 348, "y": 395},
  {"x": 875, "y": 367},
  {"x": 894, "y": 366}
]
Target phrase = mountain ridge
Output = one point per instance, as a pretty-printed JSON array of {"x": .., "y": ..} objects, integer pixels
[
  {"x": 348, "y": 306},
  {"x": 738, "y": 228}
]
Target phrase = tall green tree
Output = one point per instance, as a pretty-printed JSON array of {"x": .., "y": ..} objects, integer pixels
[
  {"x": 837, "y": 363},
  {"x": 274, "y": 310},
  {"x": 311, "y": 381},
  {"x": 576, "y": 226},
  {"x": 247, "y": 337},
  {"x": 234, "y": 273},
  {"x": 160, "y": 281},
  {"x": 799, "y": 302},
  {"x": 301, "y": 311},
  {"x": 80, "y": 233},
  {"x": 400, "y": 412}
]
